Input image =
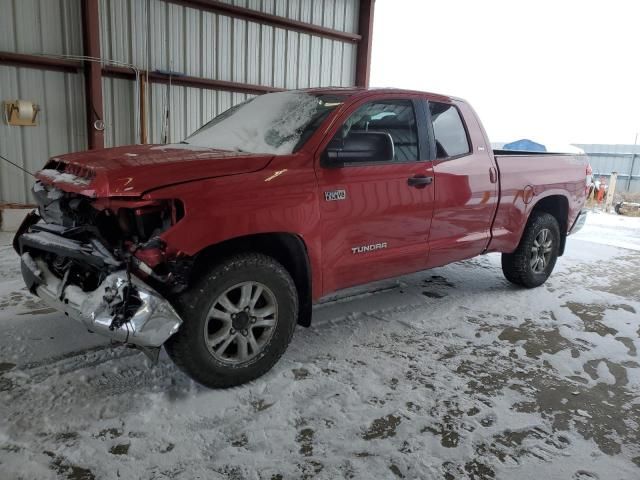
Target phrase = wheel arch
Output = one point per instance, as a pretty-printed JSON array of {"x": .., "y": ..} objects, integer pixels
[
  {"x": 558, "y": 207},
  {"x": 287, "y": 248}
]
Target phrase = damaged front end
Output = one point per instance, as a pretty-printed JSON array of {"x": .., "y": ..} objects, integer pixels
[{"x": 102, "y": 262}]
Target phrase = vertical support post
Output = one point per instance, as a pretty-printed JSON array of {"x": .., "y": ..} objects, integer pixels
[
  {"x": 633, "y": 164},
  {"x": 611, "y": 191},
  {"x": 143, "y": 109},
  {"x": 93, "y": 73},
  {"x": 365, "y": 29}
]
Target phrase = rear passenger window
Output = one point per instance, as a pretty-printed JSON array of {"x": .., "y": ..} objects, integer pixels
[
  {"x": 451, "y": 136},
  {"x": 395, "y": 117}
]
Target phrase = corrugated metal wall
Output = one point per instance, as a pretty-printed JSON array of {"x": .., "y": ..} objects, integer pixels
[
  {"x": 61, "y": 125},
  {"x": 41, "y": 26},
  {"x": 624, "y": 159},
  {"x": 188, "y": 109},
  {"x": 35, "y": 27},
  {"x": 156, "y": 35}
]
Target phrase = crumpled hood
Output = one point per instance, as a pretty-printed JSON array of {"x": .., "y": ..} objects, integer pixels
[{"x": 131, "y": 171}]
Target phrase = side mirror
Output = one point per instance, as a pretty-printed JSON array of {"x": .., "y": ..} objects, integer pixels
[{"x": 360, "y": 147}]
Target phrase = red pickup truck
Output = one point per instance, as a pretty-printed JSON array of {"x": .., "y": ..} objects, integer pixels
[{"x": 217, "y": 247}]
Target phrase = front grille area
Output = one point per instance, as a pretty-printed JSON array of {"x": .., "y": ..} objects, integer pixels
[{"x": 79, "y": 171}]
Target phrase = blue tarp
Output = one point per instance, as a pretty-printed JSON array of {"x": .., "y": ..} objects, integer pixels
[{"x": 525, "y": 145}]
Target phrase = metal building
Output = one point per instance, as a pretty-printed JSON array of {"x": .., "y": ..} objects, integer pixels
[
  {"x": 624, "y": 159},
  {"x": 115, "y": 72}
]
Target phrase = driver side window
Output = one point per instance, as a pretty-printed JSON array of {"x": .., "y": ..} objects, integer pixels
[{"x": 393, "y": 117}]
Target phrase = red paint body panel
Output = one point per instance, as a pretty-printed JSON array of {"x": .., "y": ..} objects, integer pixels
[
  {"x": 545, "y": 175},
  {"x": 379, "y": 208},
  {"x": 227, "y": 195},
  {"x": 282, "y": 198},
  {"x": 134, "y": 169},
  {"x": 466, "y": 199}
]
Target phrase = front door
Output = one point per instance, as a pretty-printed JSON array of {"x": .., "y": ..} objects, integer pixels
[{"x": 376, "y": 211}]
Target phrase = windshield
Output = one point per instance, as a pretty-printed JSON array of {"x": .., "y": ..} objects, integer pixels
[{"x": 276, "y": 123}]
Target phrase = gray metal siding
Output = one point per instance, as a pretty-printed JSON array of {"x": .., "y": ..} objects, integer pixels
[
  {"x": 41, "y": 27},
  {"x": 37, "y": 27},
  {"x": 118, "y": 103},
  {"x": 606, "y": 159},
  {"x": 61, "y": 125},
  {"x": 188, "y": 109},
  {"x": 159, "y": 35}
]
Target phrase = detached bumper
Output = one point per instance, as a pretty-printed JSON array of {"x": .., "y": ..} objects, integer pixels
[
  {"x": 127, "y": 311},
  {"x": 580, "y": 221}
]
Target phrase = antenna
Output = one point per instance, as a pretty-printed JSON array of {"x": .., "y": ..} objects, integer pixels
[{"x": 17, "y": 166}]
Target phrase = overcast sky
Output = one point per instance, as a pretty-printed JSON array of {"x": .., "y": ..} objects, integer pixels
[{"x": 556, "y": 71}]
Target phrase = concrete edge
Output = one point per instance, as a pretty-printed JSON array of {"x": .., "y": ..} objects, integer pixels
[{"x": 11, "y": 218}]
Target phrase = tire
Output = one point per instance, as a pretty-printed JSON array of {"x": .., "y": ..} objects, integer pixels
[
  {"x": 197, "y": 353},
  {"x": 523, "y": 267}
]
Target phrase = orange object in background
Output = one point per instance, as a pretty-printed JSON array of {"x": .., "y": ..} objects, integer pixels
[{"x": 601, "y": 192}]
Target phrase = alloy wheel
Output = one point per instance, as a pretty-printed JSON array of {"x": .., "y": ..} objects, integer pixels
[
  {"x": 541, "y": 251},
  {"x": 240, "y": 322}
]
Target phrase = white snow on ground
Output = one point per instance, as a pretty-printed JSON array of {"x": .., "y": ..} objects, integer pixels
[
  {"x": 449, "y": 373},
  {"x": 616, "y": 230}
]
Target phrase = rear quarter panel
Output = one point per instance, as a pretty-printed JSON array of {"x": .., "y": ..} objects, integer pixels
[{"x": 527, "y": 179}]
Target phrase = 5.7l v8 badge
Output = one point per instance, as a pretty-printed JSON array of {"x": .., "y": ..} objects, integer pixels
[{"x": 334, "y": 195}]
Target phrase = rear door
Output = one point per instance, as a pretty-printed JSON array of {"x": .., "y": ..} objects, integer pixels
[
  {"x": 466, "y": 181},
  {"x": 376, "y": 214}
]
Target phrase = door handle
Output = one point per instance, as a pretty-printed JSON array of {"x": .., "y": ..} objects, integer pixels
[
  {"x": 419, "y": 181},
  {"x": 493, "y": 175}
]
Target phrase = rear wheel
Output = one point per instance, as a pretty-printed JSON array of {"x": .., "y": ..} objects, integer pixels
[
  {"x": 533, "y": 261},
  {"x": 238, "y": 321}
]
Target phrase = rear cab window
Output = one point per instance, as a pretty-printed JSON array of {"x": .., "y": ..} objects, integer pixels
[{"x": 450, "y": 134}]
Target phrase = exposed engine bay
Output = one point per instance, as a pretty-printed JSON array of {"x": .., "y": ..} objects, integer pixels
[
  {"x": 119, "y": 231},
  {"x": 102, "y": 262}
]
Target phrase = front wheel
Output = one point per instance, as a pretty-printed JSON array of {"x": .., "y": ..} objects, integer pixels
[
  {"x": 533, "y": 261},
  {"x": 238, "y": 321}
]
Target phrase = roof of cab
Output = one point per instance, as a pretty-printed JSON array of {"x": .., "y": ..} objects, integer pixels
[{"x": 361, "y": 91}]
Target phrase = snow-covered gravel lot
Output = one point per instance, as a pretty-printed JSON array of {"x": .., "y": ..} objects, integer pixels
[{"x": 450, "y": 373}]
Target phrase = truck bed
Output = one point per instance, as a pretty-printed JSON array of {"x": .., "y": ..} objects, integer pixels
[
  {"x": 522, "y": 153},
  {"x": 527, "y": 178}
]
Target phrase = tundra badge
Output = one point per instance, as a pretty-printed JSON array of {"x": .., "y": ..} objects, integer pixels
[
  {"x": 335, "y": 195},
  {"x": 368, "y": 248}
]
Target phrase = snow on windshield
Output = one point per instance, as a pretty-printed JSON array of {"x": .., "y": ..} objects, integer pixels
[{"x": 271, "y": 123}]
